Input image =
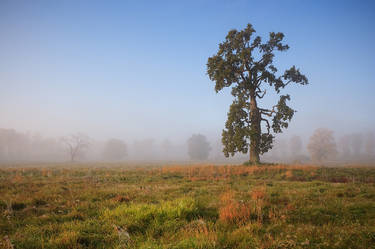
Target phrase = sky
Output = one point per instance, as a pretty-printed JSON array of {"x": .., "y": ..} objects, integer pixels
[{"x": 137, "y": 69}]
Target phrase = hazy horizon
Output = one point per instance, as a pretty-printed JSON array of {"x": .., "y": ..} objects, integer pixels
[{"x": 135, "y": 70}]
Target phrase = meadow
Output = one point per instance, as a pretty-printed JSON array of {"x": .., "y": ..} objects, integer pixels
[{"x": 186, "y": 206}]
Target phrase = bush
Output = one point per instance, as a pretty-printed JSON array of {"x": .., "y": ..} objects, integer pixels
[{"x": 18, "y": 206}]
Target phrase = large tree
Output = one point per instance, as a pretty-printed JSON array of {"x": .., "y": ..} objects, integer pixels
[{"x": 244, "y": 62}]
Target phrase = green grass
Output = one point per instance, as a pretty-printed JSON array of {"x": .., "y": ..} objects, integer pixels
[{"x": 267, "y": 206}]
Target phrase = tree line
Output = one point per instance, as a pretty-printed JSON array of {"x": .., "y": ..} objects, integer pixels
[
  {"x": 17, "y": 146},
  {"x": 322, "y": 146}
]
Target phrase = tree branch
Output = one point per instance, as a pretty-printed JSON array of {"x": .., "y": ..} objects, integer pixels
[
  {"x": 261, "y": 96},
  {"x": 243, "y": 77},
  {"x": 287, "y": 83},
  {"x": 267, "y": 111},
  {"x": 268, "y": 125}
]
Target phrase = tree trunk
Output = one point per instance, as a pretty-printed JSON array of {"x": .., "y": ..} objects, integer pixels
[{"x": 255, "y": 130}]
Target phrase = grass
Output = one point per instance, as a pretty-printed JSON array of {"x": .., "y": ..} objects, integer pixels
[{"x": 196, "y": 206}]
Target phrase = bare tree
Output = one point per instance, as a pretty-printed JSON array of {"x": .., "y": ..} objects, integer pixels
[
  {"x": 322, "y": 145},
  {"x": 76, "y": 144}
]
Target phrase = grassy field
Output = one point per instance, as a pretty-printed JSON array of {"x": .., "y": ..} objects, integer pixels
[{"x": 198, "y": 206}]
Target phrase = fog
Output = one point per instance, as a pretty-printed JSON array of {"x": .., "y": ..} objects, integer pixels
[
  {"x": 24, "y": 147},
  {"x": 130, "y": 80}
]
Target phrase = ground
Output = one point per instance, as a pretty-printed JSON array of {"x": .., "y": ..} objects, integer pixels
[{"x": 196, "y": 206}]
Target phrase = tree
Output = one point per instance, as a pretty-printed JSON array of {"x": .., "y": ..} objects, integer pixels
[
  {"x": 356, "y": 142},
  {"x": 295, "y": 145},
  {"x": 76, "y": 144},
  {"x": 247, "y": 64},
  {"x": 7, "y": 143},
  {"x": 198, "y": 147},
  {"x": 322, "y": 145},
  {"x": 345, "y": 143},
  {"x": 370, "y": 143},
  {"x": 115, "y": 149},
  {"x": 14, "y": 146}
]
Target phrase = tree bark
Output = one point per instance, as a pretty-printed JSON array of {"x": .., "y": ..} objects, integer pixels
[{"x": 255, "y": 119}]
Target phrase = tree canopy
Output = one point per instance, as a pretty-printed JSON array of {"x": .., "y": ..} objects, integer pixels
[
  {"x": 322, "y": 145},
  {"x": 115, "y": 149},
  {"x": 198, "y": 147}
]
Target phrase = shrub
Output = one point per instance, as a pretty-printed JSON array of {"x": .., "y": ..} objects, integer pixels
[{"x": 18, "y": 206}]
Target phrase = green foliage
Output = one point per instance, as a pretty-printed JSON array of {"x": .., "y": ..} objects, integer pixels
[{"x": 244, "y": 63}]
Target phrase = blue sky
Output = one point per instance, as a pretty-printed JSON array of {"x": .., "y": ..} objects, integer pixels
[{"x": 137, "y": 69}]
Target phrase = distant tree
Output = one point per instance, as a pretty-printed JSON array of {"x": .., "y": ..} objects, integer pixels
[
  {"x": 14, "y": 145},
  {"x": 322, "y": 145},
  {"x": 356, "y": 143},
  {"x": 295, "y": 145},
  {"x": 115, "y": 149},
  {"x": 42, "y": 148},
  {"x": 344, "y": 144},
  {"x": 370, "y": 144},
  {"x": 17, "y": 146},
  {"x": 6, "y": 141},
  {"x": 76, "y": 144},
  {"x": 247, "y": 63},
  {"x": 198, "y": 147}
]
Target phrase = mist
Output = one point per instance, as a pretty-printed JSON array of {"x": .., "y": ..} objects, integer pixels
[
  {"x": 140, "y": 78},
  {"x": 25, "y": 147}
]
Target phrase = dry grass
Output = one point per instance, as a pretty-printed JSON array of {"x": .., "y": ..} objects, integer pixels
[
  {"x": 218, "y": 173},
  {"x": 276, "y": 206},
  {"x": 232, "y": 211}
]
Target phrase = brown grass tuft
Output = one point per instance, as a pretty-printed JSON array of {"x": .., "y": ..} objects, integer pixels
[{"x": 233, "y": 211}]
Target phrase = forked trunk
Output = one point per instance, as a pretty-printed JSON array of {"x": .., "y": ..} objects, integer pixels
[{"x": 255, "y": 131}]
